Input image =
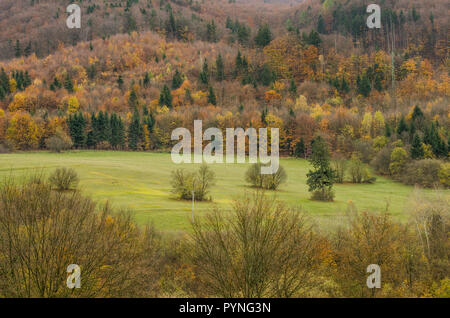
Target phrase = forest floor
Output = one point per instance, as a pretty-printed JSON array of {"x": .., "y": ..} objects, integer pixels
[{"x": 140, "y": 182}]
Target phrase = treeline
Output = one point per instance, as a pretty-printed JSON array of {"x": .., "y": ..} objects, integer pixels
[
  {"x": 425, "y": 141},
  {"x": 108, "y": 131}
]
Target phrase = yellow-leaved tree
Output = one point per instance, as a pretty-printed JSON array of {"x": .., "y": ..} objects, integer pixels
[
  {"x": 146, "y": 138},
  {"x": 19, "y": 102},
  {"x": 23, "y": 131},
  {"x": 72, "y": 105},
  {"x": 366, "y": 125},
  {"x": 12, "y": 85},
  {"x": 378, "y": 124}
]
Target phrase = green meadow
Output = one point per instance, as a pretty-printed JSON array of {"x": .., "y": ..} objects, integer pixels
[{"x": 140, "y": 182}]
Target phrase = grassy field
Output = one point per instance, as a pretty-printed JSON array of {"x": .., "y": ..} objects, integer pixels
[{"x": 141, "y": 182}]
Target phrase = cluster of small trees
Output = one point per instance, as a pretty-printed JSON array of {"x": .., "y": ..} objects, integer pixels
[
  {"x": 18, "y": 81},
  {"x": 412, "y": 154},
  {"x": 186, "y": 184},
  {"x": 105, "y": 131},
  {"x": 241, "y": 31},
  {"x": 101, "y": 131},
  {"x": 355, "y": 168},
  {"x": 265, "y": 181}
]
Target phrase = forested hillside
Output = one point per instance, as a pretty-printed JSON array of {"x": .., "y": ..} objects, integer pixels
[{"x": 364, "y": 123}]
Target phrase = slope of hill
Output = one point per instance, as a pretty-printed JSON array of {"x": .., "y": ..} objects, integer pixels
[{"x": 39, "y": 26}]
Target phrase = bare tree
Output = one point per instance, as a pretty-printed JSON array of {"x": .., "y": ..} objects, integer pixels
[
  {"x": 373, "y": 238},
  {"x": 431, "y": 219},
  {"x": 43, "y": 231},
  {"x": 262, "y": 249}
]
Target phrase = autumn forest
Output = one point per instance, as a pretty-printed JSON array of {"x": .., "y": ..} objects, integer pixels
[{"x": 355, "y": 103}]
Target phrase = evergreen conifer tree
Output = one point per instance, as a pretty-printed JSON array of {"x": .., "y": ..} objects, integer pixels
[
  {"x": 212, "y": 96},
  {"x": 220, "y": 68},
  {"x": 177, "y": 80},
  {"x": 135, "y": 131},
  {"x": 204, "y": 75},
  {"x": 165, "y": 98},
  {"x": 417, "y": 151}
]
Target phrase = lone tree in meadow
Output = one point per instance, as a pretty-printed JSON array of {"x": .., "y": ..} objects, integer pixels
[
  {"x": 265, "y": 181},
  {"x": 321, "y": 179},
  {"x": 63, "y": 179},
  {"x": 200, "y": 182}
]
